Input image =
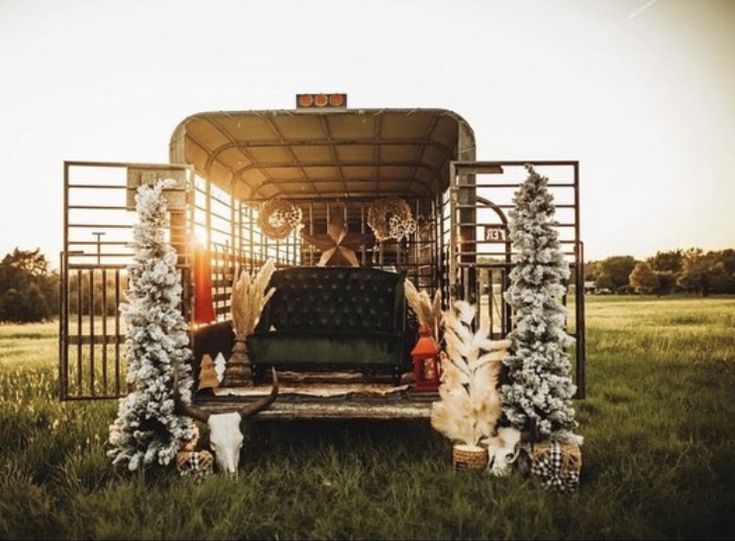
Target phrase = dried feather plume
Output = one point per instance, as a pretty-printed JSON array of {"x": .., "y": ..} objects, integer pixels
[
  {"x": 469, "y": 409},
  {"x": 428, "y": 311},
  {"x": 249, "y": 296}
]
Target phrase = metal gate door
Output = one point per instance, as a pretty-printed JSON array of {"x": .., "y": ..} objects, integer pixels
[
  {"x": 480, "y": 252},
  {"x": 99, "y": 205}
]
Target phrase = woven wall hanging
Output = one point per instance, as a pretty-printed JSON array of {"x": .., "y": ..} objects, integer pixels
[
  {"x": 391, "y": 219},
  {"x": 279, "y": 218}
]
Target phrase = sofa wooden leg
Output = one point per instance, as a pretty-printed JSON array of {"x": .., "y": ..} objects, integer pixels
[{"x": 396, "y": 375}]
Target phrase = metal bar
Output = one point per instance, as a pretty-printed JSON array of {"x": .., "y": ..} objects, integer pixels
[
  {"x": 172, "y": 166},
  {"x": 252, "y": 241},
  {"x": 238, "y": 218},
  {"x": 503, "y": 241},
  {"x": 375, "y": 141},
  {"x": 188, "y": 290},
  {"x": 311, "y": 232},
  {"x": 514, "y": 185},
  {"x": 213, "y": 274},
  {"x": 117, "y": 331},
  {"x": 104, "y": 330},
  {"x": 110, "y": 254},
  {"x": 98, "y": 207},
  {"x": 579, "y": 295},
  {"x": 416, "y": 237},
  {"x": 370, "y": 163},
  {"x": 91, "y": 331},
  {"x": 364, "y": 196},
  {"x": 492, "y": 254},
  {"x": 87, "y": 266},
  {"x": 490, "y": 164},
  {"x": 102, "y": 226},
  {"x": 491, "y": 206},
  {"x": 475, "y": 224},
  {"x": 63, "y": 330},
  {"x": 80, "y": 309},
  {"x": 433, "y": 246},
  {"x": 453, "y": 232},
  {"x": 63, "y": 296},
  {"x": 102, "y": 243},
  {"x": 101, "y": 186},
  {"x": 115, "y": 187}
]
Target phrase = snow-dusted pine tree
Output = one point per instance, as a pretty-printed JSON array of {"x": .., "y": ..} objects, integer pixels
[
  {"x": 538, "y": 394},
  {"x": 147, "y": 430}
]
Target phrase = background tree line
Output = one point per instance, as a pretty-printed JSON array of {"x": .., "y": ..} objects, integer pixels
[
  {"x": 29, "y": 290},
  {"x": 692, "y": 270}
]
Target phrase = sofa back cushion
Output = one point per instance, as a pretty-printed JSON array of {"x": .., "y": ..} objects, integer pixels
[{"x": 335, "y": 299}]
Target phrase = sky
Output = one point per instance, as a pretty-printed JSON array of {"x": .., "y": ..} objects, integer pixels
[{"x": 641, "y": 92}]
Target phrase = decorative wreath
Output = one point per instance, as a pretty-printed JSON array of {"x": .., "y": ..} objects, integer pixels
[
  {"x": 279, "y": 218},
  {"x": 391, "y": 219}
]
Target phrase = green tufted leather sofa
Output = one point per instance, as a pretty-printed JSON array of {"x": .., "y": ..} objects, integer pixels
[{"x": 333, "y": 318}]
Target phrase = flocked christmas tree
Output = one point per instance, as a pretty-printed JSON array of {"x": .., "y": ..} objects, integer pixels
[
  {"x": 147, "y": 430},
  {"x": 537, "y": 396}
]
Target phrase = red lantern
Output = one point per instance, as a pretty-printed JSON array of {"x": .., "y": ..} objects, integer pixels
[{"x": 425, "y": 362}]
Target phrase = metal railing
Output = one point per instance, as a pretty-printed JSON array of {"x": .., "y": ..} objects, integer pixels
[{"x": 480, "y": 253}]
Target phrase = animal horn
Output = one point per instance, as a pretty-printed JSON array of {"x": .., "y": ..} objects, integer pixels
[
  {"x": 252, "y": 409},
  {"x": 187, "y": 409}
]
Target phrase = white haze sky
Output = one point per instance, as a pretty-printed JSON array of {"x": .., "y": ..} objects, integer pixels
[{"x": 641, "y": 92}]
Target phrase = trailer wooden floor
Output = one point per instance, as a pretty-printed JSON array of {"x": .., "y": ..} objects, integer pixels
[{"x": 366, "y": 401}]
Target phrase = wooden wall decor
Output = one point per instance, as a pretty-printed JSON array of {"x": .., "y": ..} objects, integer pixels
[{"x": 338, "y": 246}]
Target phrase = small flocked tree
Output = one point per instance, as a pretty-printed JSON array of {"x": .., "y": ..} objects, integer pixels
[
  {"x": 147, "y": 430},
  {"x": 537, "y": 396}
]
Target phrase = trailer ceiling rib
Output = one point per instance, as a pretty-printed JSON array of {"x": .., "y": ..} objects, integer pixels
[{"x": 329, "y": 153}]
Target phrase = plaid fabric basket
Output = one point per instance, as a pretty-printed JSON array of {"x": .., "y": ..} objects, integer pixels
[
  {"x": 557, "y": 466},
  {"x": 198, "y": 464}
]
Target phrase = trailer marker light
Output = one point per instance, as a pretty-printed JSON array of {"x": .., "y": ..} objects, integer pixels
[{"x": 304, "y": 101}]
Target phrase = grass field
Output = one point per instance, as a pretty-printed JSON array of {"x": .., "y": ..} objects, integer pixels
[{"x": 659, "y": 455}]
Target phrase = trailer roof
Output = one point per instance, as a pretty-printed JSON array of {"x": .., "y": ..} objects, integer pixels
[{"x": 312, "y": 153}]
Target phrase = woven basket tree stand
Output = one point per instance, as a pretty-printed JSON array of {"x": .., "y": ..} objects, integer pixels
[
  {"x": 571, "y": 463},
  {"x": 469, "y": 457}
]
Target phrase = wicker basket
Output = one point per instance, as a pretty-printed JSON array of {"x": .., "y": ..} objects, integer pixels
[
  {"x": 571, "y": 456},
  {"x": 560, "y": 470},
  {"x": 469, "y": 457}
]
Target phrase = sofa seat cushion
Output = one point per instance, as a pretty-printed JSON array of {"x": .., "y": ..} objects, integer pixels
[{"x": 294, "y": 348}]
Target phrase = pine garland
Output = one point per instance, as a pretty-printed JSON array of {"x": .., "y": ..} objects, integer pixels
[
  {"x": 147, "y": 430},
  {"x": 538, "y": 395}
]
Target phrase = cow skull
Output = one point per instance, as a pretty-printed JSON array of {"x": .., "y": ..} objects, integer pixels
[
  {"x": 502, "y": 450},
  {"x": 225, "y": 435}
]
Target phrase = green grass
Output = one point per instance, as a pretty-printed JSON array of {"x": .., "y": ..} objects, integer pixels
[{"x": 659, "y": 455}]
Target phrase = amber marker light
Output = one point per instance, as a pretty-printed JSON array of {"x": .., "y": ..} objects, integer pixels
[{"x": 304, "y": 100}]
